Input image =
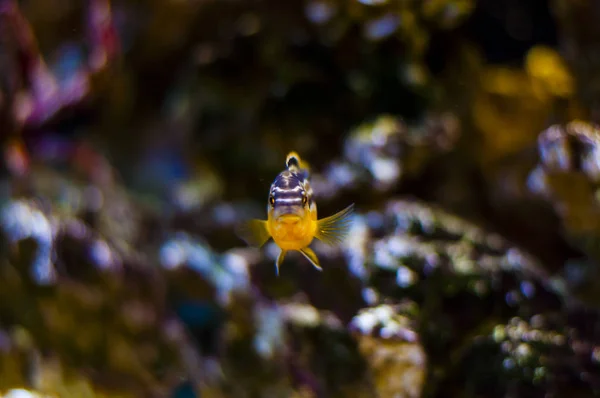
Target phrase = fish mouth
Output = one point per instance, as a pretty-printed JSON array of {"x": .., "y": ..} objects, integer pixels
[{"x": 289, "y": 219}]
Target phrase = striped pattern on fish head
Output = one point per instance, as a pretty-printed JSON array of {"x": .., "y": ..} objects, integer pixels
[{"x": 292, "y": 211}]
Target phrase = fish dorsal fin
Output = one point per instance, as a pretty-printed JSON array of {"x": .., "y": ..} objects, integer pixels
[
  {"x": 292, "y": 160},
  {"x": 312, "y": 257},
  {"x": 253, "y": 232},
  {"x": 297, "y": 165},
  {"x": 333, "y": 229}
]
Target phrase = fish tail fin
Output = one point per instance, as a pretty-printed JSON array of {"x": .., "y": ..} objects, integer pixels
[
  {"x": 312, "y": 257},
  {"x": 279, "y": 260},
  {"x": 253, "y": 232},
  {"x": 333, "y": 229}
]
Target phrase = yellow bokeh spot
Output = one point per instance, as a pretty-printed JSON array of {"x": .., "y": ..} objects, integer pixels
[{"x": 549, "y": 71}]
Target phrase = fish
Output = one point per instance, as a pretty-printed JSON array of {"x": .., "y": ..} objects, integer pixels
[{"x": 292, "y": 220}]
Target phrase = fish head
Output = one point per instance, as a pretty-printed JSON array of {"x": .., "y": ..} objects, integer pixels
[
  {"x": 289, "y": 200},
  {"x": 291, "y": 209}
]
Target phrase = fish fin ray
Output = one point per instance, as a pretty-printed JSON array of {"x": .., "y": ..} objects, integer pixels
[
  {"x": 253, "y": 232},
  {"x": 279, "y": 260},
  {"x": 312, "y": 257},
  {"x": 334, "y": 229}
]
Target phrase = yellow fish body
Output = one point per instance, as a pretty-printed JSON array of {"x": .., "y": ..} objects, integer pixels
[{"x": 292, "y": 216}]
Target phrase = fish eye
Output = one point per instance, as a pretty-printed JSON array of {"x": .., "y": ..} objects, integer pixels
[
  {"x": 272, "y": 200},
  {"x": 304, "y": 200}
]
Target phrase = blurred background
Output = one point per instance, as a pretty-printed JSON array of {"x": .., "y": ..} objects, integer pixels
[{"x": 136, "y": 135}]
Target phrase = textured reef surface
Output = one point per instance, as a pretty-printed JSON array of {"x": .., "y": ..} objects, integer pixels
[{"x": 136, "y": 135}]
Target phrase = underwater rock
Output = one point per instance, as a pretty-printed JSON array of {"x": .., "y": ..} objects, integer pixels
[
  {"x": 568, "y": 174},
  {"x": 288, "y": 348},
  {"x": 454, "y": 271},
  {"x": 323, "y": 357},
  {"x": 79, "y": 295},
  {"x": 388, "y": 148},
  {"x": 461, "y": 278},
  {"x": 397, "y": 362},
  {"x": 544, "y": 354},
  {"x": 383, "y": 153},
  {"x": 567, "y": 177},
  {"x": 516, "y": 340}
]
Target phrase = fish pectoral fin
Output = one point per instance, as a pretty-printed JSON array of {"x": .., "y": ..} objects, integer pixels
[
  {"x": 253, "y": 232},
  {"x": 333, "y": 229},
  {"x": 312, "y": 257},
  {"x": 279, "y": 260}
]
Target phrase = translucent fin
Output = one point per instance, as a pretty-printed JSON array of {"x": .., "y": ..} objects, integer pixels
[
  {"x": 279, "y": 260},
  {"x": 333, "y": 229},
  {"x": 253, "y": 232},
  {"x": 312, "y": 257}
]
